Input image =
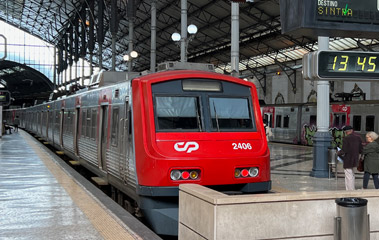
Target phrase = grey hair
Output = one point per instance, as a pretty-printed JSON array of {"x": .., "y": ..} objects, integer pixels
[{"x": 372, "y": 135}]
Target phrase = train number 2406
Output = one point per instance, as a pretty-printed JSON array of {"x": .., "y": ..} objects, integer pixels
[{"x": 241, "y": 146}]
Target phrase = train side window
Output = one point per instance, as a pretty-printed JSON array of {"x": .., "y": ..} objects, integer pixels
[
  {"x": 286, "y": 121},
  {"x": 93, "y": 123},
  {"x": 57, "y": 123},
  {"x": 370, "y": 121},
  {"x": 69, "y": 123},
  {"x": 357, "y": 121},
  {"x": 88, "y": 124},
  {"x": 84, "y": 121},
  {"x": 278, "y": 121},
  {"x": 65, "y": 122},
  {"x": 313, "y": 120},
  {"x": 115, "y": 121}
]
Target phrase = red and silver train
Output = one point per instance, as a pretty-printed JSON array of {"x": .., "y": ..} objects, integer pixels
[{"x": 147, "y": 135}]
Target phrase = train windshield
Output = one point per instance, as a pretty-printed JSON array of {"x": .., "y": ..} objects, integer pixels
[
  {"x": 202, "y": 105},
  {"x": 178, "y": 113},
  {"x": 230, "y": 113}
]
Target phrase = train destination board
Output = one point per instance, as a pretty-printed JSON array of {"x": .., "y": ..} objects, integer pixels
[
  {"x": 355, "y": 11},
  {"x": 333, "y": 18}
]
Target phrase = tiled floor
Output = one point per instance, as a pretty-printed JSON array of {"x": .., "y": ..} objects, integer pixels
[{"x": 291, "y": 166}]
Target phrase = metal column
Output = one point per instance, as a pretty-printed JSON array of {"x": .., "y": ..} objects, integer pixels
[
  {"x": 235, "y": 40},
  {"x": 183, "y": 32},
  {"x": 153, "y": 49},
  {"x": 322, "y": 138}
]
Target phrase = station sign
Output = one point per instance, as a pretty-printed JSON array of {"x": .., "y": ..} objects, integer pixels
[
  {"x": 333, "y": 18},
  {"x": 341, "y": 65},
  {"x": 5, "y": 98}
]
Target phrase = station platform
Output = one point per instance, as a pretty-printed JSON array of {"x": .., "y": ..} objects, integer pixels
[
  {"x": 41, "y": 197},
  {"x": 291, "y": 166}
]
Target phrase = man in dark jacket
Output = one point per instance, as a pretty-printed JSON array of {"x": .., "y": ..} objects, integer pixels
[{"x": 351, "y": 150}]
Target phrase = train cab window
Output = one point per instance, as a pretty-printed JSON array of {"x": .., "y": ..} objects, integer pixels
[
  {"x": 174, "y": 113},
  {"x": 286, "y": 121},
  {"x": 230, "y": 113},
  {"x": 114, "y": 128},
  {"x": 278, "y": 121},
  {"x": 370, "y": 121},
  {"x": 357, "y": 121}
]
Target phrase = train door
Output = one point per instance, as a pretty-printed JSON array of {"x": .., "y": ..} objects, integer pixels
[
  {"x": 340, "y": 116},
  {"x": 103, "y": 134},
  {"x": 339, "y": 120},
  {"x": 268, "y": 115},
  {"x": 76, "y": 131}
]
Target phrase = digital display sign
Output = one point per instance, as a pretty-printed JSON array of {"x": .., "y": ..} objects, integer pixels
[
  {"x": 330, "y": 18},
  {"x": 347, "y": 65},
  {"x": 356, "y": 11},
  {"x": 5, "y": 98}
]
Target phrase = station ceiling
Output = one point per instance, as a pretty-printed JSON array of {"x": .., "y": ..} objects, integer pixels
[{"x": 261, "y": 41}]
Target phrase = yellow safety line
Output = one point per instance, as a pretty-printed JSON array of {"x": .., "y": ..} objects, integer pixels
[{"x": 106, "y": 225}]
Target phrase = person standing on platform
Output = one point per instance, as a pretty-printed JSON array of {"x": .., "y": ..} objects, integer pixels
[
  {"x": 267, "y": 130},
  {"x": 16, "y": 122},
  {"x": 371, "y": 160},
  {"x": 351, "y": 149}
]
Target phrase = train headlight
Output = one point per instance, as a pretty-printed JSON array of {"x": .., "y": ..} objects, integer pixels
[
  {"x": 253, "y": 172},
  {"x": 185, "y": 174},
  {"x": 194, "y": 175},
  {"x": 246, "y": 172},
  {"x": 175, "y": 175}
]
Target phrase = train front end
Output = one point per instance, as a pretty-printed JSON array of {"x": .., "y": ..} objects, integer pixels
[{"x": 196, "y": 127}]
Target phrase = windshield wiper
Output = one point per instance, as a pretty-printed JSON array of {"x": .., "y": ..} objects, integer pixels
[
  {"x": 198, "y": 119},
  {"x": 218, "y": 127}
]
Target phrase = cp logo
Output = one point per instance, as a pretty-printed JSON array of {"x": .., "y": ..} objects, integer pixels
[{"x": 186, "y": 146}]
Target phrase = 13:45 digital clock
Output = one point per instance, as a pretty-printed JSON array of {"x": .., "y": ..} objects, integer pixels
[{"x": 346, "y": 65}]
